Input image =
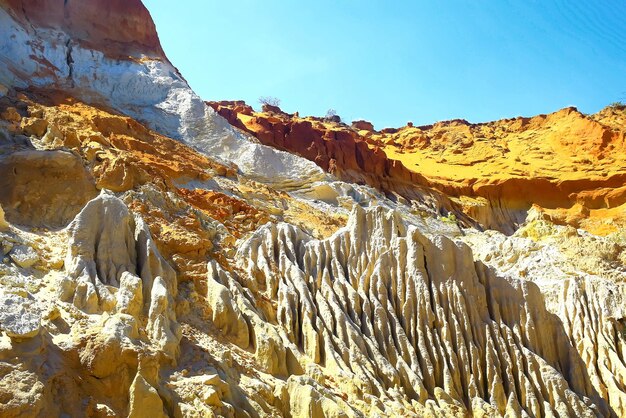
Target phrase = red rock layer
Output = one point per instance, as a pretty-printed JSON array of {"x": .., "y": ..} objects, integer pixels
[
  {"x": 337, "y": 149},
  {"x": 118, "y": 28}
]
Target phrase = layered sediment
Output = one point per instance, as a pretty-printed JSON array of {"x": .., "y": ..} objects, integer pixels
[
  {"x": 159, "y": 261},
  {"x": 566, "y": 163}
]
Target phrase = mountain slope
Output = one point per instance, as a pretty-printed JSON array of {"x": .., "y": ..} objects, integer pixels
[{"x": 159, "y": 262}]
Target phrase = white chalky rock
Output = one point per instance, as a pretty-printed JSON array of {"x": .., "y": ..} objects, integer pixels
[
  {"x": 19, "y": 317},
  {"x": 24, "y": 256},
  {"x": 414, "y": 315},
  {"x": 109, "y": 247}
]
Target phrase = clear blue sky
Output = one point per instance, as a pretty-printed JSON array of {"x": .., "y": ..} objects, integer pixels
[{"x": 396, "y": 61}]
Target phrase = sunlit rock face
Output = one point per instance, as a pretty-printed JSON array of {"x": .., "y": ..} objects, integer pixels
[
  {"x": 567, "y": 164},
  {"x": 157, "y": 261},
  {"x": 44, "y": 188},
  {"x": 119, "y": 28},
  {"x": 142, "y": 83}
]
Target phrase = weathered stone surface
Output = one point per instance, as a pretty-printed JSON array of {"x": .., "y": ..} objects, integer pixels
[
  {"x": 130, "y": 295},
  {"x": 144, "y": 400},
  {"x": 396, "y": 309},
  {"x": 23, "y": 392},
  {"x": 108, "y": 245},
  {"x": 134, "y": 30},
  {"x": 226, "y": 316},
  {"x": 19, "y": 316},
  {"x": 363, "y": 125},
  {"x": 24, "y": 256},
  {"x": 498, "y": 170},
  {"x": 281, "y": 308},
  {"x": 44, "y": 188},
  {"x": 6, "y": 245},
  {"x": 34, "y": 126}
]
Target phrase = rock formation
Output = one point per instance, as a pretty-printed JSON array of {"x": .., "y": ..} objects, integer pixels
[
  {"x": 494, "y": 172},
  {"x": 134, "y": 32},
  {"x": 159, "y": 259},
  {"x": 45, "y": 188}
]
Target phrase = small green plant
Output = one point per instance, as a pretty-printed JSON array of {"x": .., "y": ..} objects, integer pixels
[
  {"x": 619, "y": 105},
  {"x": 449, "y": 219}
]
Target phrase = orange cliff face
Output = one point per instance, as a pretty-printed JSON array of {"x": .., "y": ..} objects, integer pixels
[
  {"x": 60, "y": 152},
  {"x": 118, "y": 28},
  {"x": 82, "y": 149},
  {"x": 338, "y": 149},
  {"x": 570, "y": 166}
]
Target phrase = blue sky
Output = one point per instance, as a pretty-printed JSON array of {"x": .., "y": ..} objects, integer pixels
[{"x": 396, "y": 61}]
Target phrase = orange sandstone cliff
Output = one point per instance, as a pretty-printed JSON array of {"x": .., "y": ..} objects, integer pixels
[{"x": 568, "y": 164}]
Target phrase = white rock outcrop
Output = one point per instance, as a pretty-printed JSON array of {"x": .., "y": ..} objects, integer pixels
[
  {"x": 24, "y": 256},
  {"x": 19, "y": 316},
  {"x": 113, "y": 265},
  {"x": 413, "y": 318},
  {"x": 587, "y": 294}
]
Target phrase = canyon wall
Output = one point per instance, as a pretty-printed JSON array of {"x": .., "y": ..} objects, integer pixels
[{"x": 159, "y": 261}]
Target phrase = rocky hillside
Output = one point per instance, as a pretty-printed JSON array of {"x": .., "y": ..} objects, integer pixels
[
  {"x": 159, "y": 261},
  {"x": 568, "y": 165}
]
